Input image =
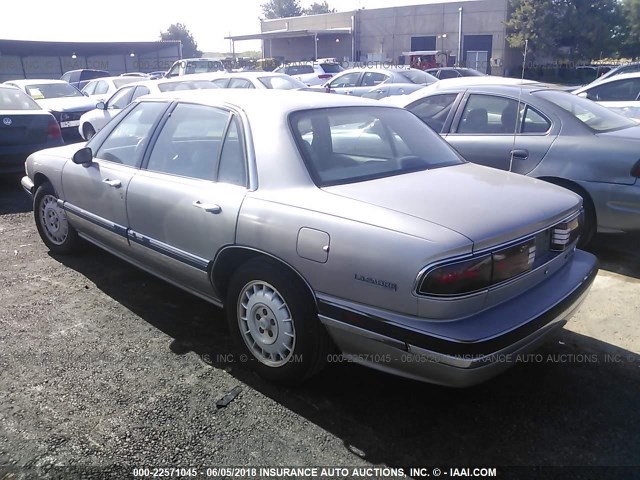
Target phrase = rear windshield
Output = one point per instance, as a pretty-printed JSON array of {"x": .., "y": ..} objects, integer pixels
[
  {"x": 351, "y": 144},
  {"x": 469, "y": 72},
  {"x": 118, "y": 82},
  {"x": 594, "y": 116},
  {"x": 91, "y": 74},
  {"x": 39, "y": 91},
  {"x": 14, "y": 99},
  {"x": 331, "y": 67},
  {"x": 186, "y": 85},
  {"x": 418, "y": 76},
  {"x": 281, "y": 82}
]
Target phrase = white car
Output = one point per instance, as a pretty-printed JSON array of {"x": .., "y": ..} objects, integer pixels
[
  {"x": 312, "y": 73},
  {"x": 102, "y": 88},
  {"x": 620, "y": 93},
  {"x": 190, "y": 66},
  {"x": 94, "y": 120},
  {"x": 65, "y": 102},
  {"x": 259, "y": 80}
]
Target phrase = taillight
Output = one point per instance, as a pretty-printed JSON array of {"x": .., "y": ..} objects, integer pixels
[
  {"x": 635, "y": 171},
  {"x": 53, "y": 129},
  {"x": 325, "y": 76}
]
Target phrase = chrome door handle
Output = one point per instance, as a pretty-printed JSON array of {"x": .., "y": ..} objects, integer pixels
[
  {"x": 112, "y": 183},
  {"x": 520, "y": 154},
  {"x": 208, "y": 207}
]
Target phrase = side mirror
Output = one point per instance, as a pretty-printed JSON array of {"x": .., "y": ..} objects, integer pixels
[
  {"x": 84, "y": 156},
  {"x": 101, "y": 106}
]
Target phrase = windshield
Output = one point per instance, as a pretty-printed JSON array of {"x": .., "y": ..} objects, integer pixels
[
  {"x": 14, "y": 99},
  {"x": 39, "y": 91},
  {"x": 418, "y": 76},
  {"x": 283, "y": 82},
  {"x": 594, "y": 116},
  {"x": 186, "y": 85},
  {"x": 352, "y": 144}
]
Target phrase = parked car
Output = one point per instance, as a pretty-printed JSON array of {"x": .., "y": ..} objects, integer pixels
[
  {"x": 102, "y": 88},
  {"x": 602, "y": 74},
  {"x": 188, "y": 66},
  {"x": 547, "y": 134},
  {"x": 353, "y": 229},
  {"x": 358, "y": 81},
  {"x": 620, "y": 93},
  {"x": 79, "y": 78},
  {"x": 259, "y": 80},
  {"x": 454, "y": 72},
  {"x": 157, "y": 75},
  {"x": 391, "y": 89},
  {"x": 94, "y": 120},
  {"x": 65, "y": 102},
  {"x": 312, "y": 73},
  {"x": 24, "y": 129}
]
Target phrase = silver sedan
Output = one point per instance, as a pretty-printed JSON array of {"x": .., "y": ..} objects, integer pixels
[
  {"x": 544, "y": 133},
  {"x": 320, "y": 220}
]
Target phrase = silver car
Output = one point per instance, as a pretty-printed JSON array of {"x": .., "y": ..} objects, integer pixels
[
  {"x": 358, "y": 81},
  {"x": 544, "y": 133},
  {"x": 321, "y": 221}
]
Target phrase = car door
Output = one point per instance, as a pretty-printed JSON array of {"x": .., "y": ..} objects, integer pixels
[
  {"x": 619, "y": 95},
  {"x": 184, "y": 203},
  {"x": 368, "y": 81},
  {"x": 501, "y": 132},
  {"x": 95, "y": 195},
  {"x": 344, "y": 83}
]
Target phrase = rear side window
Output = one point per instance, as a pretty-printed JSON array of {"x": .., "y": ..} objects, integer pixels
[
  {"x": 351, "y": 144},
  {"x": 240, "y": 83},
  {"x": 190, "y": 142},
  {"x": 121, "y": 98}
]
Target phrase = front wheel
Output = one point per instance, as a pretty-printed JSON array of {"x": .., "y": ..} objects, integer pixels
[
  {"x": 273, "y": 320},
  {"x": 52, "y": 222}
]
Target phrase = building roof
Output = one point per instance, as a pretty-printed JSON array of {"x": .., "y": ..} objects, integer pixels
[
  {"x": 289, "y": 33},
  {"x": 25, "y": 48}
]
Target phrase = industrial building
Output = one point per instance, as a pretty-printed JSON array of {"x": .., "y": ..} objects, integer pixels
[{"x": 463, "y": 32}]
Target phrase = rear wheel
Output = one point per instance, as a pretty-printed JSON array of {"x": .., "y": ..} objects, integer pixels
[
  {"x": 52, "y": 222},
  {"x": 273, "y": 320}
]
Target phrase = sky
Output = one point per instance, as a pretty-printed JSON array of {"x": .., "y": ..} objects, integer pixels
[{"x": 142, "y": 20}]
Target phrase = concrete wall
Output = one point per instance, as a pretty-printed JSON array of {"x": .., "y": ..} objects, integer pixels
[{"x": 309, "y": 22}]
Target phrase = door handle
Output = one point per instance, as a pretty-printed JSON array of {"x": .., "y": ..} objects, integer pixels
[
  {"x": 208, "y": 207},
  {"x": 112, "y": 183},
  {"x": 520, "y": 154}
]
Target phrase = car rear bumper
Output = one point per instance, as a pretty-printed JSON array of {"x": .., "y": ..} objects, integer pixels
[{"x": 392, "y": 343}]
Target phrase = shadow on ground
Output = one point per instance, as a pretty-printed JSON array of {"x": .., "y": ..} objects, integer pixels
[
  {"x": 569, "y": 404},
  {"x": 618, "y": 253},
  {"x": 12, "y": 198}
]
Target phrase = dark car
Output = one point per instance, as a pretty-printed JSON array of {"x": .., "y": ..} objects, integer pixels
[
  {"x": 79, "y": 78},
  {"x": 24, "y": 128},
  {"x": 454, "y": 72}
]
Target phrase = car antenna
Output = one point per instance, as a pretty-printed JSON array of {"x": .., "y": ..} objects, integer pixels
[{"x": 517, "y": 126}]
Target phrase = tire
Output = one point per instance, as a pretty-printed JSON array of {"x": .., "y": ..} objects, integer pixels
[
  {"x": 52, "y": 222},
  {"x": 274, "y": 323},
  {"x": 88, "y": 131}
]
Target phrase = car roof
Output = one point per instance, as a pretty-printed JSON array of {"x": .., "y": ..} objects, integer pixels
[
  {"x": 614, "y": 78},
  {"x": 261, "y": 102},
  {"x": 31, "y": 81}
]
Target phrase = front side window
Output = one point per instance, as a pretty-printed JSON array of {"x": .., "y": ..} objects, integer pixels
[
  {"x": 120, "y": 99},
  {"x": 618, "y": 91},
  {"x": 371, "y": 79},
  {"x": 101, "y": 88},
  {"x": 351, "y": 144},
  {"x": 434, "y": 110},
  {"x": 127, "y": 141},
  {"x": 281, "y": 83},
  {"x": 345, "y": 81},
  {"x": 89, "y": 88},
  {"x": 190, "y": 142},
  {"x": 240, "y": 83}
]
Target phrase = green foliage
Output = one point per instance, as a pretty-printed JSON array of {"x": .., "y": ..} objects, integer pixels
[
  {"x": 588, "y": 29},
  {"x": 318, "y": 8},
  {"x": 631, "y": 28},
  {"x": 178, "y": 31},
  {"x": 281, "y": 9}
]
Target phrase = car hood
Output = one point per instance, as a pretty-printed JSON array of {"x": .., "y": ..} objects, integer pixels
[
  {"x": 67, "y": 104},
  {"x": 486, "y": 205}
]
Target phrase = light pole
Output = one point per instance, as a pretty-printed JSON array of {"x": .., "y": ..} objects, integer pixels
[{"x": 458, "y": 58}]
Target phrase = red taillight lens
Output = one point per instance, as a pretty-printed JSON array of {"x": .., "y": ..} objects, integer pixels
[
  {"x": 456, "y": 278},
  {"x": 513, "y": 261},
  {"x": 53, "y": 129},
  {"x": 325, "y": 76},
  {"x": 635, "y": 171}
]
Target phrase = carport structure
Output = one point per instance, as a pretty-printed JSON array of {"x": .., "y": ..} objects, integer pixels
[{"x": 31, "y": 59}]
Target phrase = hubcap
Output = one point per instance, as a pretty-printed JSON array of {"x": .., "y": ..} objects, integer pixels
[
  {"x": 53, "y": 220},
  {"x": 265, "y": 324}
]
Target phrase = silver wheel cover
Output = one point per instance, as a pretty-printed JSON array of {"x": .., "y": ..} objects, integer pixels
[{"x": 53, "y": 220}]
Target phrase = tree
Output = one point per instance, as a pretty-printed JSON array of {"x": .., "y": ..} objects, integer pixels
[
  {"x": 538, "y": 21},
  {"x": 281, "y": 9},
  {"x": 631, "y": 28},
  {"x": 318, "y": 8},
  {"x": 178, "y": 31}
]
